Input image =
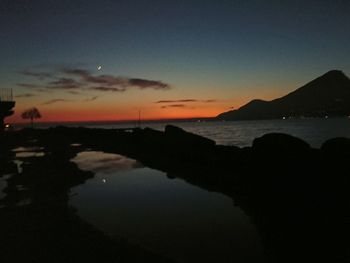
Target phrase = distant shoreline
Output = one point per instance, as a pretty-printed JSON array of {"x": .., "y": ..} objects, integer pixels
[
  {"x": 211, "y": 119},
  {"x": 123, "y": 121}
]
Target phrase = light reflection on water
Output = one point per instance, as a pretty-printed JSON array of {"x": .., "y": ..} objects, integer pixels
[
  {"x": 105, "y": 162},
  {"x": 25, "y": 152},
  {"x": 3, "y": 185},
  {"x": 29, "y": 154},
  {"x": 27, "y": 149},
  {"x": 170, "y": 217}
]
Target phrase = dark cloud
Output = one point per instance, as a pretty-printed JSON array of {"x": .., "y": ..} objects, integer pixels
[
  {"x": 106, "y": 80},
  {"x": 145, "y": 84},
  {"x": 39, "y": 75},
  {"x": 65, "y": 83},
  {"x": 114, "y": 81},
  {"x": 25, "y": 95},
  {"x": 109, "y": 89},
  {"x": 27, "y": 85},
  {"x": 174, "y": 106},
  {"x": 74, "y": 92},
  {"x": 209, "y": 101},
  {"x": 55, "y": 101},
  {"x": 76, "y": 72},
  {"x": 78, "y": 78},
  {"x": 90, "y": 99}
]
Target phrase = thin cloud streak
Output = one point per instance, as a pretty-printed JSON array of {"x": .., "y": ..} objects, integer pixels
[
  {"x": 25, "y": 95},
  {"x": 27, "y": 85},
  {"x": 39, "y": 75},
  {"x": 185, "y": 101},
  {"x": 109, "y": 89},
  {"x": 76, "y": 71},
  {"x": 174, "y": 106},
  {"x": 64, "y": 83},
  {"x": 55, "y": 101},
  {"x": 74, "y": 92},
  {"x": 90, "y": 99},
  {"x": 43, "y": 90},
  {"x": 174, "y": 101},
  {"x": 144, "y": 84}
]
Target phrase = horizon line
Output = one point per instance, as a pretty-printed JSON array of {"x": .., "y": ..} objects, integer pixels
[{"x": 120, "y": 121}]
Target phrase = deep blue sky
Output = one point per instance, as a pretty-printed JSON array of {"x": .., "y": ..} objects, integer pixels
[{"x": 223, "y": 50}]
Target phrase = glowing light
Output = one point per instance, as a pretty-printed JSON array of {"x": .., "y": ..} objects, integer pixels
[{"x": 104, "y": 180}]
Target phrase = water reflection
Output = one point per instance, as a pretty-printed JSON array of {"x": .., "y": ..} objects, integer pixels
[
  {"x": 29, "y": 154},
  {"x": 25, "y": 152},
  {"x": 104, "y": 162},
  {"x": 27, "y": 149},
  {"x": 3, "y": 185},
  {"x": 170, "y": 217}
]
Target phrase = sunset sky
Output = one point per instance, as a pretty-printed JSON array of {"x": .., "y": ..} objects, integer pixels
[{"x": 79, "y": 60}]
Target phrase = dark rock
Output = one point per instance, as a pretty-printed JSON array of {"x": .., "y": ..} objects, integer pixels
[
  {"x": 152, "y": 134},
  {"x": 336, "y": 147},
  {"x": 280, "y": 145},
  {"x": 150, "y": 140},
  {"x": 179, "y": 136},
  {"x": 335, "y": 153}
]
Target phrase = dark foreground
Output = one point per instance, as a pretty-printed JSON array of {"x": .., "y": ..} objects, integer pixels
[{"x": 297, "y": 197}]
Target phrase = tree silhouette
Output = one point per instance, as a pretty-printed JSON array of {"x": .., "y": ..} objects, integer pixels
[{"x": 32, "y": 113}]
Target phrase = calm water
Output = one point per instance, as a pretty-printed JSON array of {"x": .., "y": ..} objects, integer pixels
[
  {"x": 168, "y": 216},
  {"x": 242, "y": 133}
]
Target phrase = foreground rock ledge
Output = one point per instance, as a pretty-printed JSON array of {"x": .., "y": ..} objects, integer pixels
[{"x": 297, "y": 196}]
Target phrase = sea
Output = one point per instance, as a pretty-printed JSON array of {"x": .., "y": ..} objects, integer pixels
[
  {"x": 239, "y": 133},
  {"x": 170, "y": 216}
]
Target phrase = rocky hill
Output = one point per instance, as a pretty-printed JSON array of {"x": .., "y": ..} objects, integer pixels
[{"x": 327, "y": 95}]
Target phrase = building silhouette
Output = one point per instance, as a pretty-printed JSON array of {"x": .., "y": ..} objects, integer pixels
[{"x": 6, "y": 105}]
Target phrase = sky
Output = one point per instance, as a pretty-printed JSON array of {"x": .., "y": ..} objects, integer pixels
[{"x": 84, "y": 60}]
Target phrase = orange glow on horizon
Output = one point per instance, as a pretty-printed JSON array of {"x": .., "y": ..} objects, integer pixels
[
  {"x": 126, "y": 111},
  {"x": 81, "y": 115}
]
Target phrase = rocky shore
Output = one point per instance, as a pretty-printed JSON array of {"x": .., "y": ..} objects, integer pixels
[{"x": 297, "y": 196}]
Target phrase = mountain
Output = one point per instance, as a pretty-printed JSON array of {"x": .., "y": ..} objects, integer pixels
[{"x": 327, "y": 95}]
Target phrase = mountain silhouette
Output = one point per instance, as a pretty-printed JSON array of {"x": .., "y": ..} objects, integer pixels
[{"x": 327, "y": 95}]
